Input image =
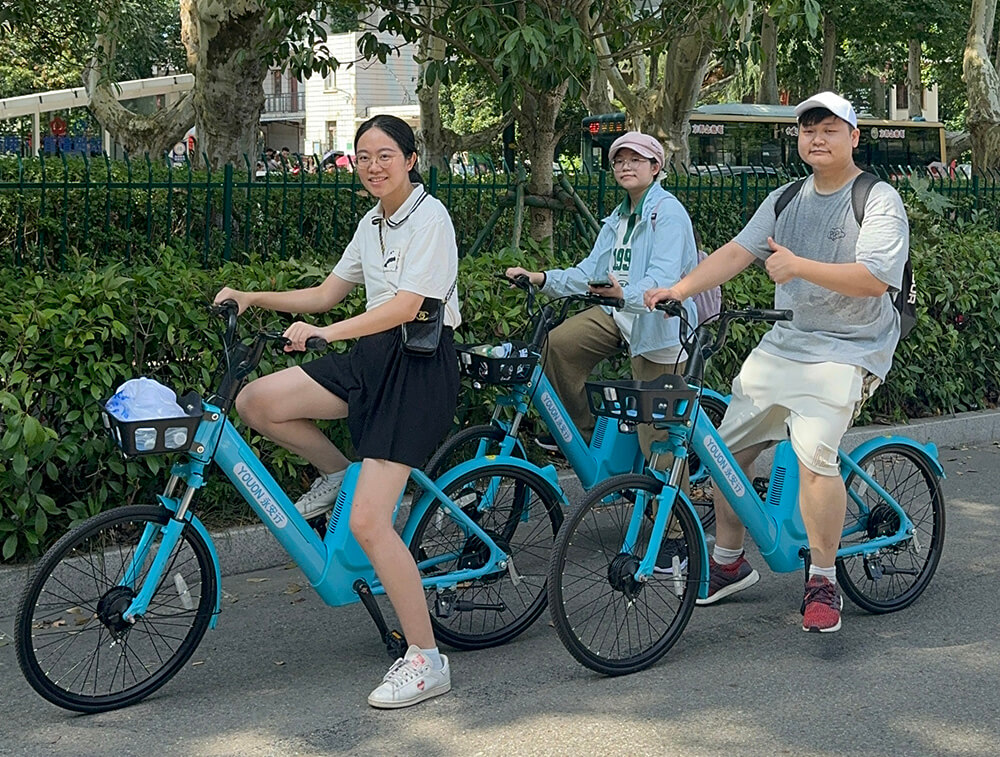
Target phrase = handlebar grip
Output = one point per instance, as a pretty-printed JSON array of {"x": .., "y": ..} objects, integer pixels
[
  {"x": 768, "y": 315},
  {"x": 522, "y": 281},
  {"x": 614, "y": 302},
  {"x": 670, "y": 307},
  {"x": 316, "y": 343}
]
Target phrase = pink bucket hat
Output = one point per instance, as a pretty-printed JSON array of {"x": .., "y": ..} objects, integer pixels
[{"x": 645, "y": 145}]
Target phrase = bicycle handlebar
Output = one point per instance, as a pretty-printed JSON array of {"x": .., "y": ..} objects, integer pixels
[{"x": 701, "y": 350}]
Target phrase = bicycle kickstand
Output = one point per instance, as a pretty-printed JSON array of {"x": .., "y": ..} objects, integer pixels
[{"x": 395, "y": 643}]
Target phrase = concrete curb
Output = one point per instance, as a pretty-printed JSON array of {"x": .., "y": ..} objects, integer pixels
[{"x": 251, "y": 548}]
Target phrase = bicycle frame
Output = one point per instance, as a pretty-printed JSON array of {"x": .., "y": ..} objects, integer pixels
[
  {"x": 611, "y": 451},
  {"x": 776, "y": 524},
  {"x": 332, "y": 565}
]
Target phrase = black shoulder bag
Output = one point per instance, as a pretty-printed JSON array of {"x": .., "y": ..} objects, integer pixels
[{"x": 421, "y": 336}]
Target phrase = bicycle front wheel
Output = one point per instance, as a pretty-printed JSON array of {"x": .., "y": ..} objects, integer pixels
[
  {"x": 517, "y": 510},
  {"x": 610, "y": 622},
  {"x": 73, "y": 645},
  {"x": 893, "y": 577},
  {"x": 467, "y": 444}
]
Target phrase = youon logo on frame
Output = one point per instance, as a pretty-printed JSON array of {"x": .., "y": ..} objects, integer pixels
[
  {"x": 256, "y": 490},
  {"x": 731, "y": 476},
  {"x": 557, "y": 419}
]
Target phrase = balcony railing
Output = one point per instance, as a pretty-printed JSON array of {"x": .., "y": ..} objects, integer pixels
[{"x": 284, "y": 104}]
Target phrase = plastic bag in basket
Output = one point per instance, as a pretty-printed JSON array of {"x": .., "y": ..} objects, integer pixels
[{"x": 144, "y": 399}]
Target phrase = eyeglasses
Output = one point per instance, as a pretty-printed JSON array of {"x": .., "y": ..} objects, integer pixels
[
  {"x": 383, "y": 159},
  {"x": 621, "y": 163}
]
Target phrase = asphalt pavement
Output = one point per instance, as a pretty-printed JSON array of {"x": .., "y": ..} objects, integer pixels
[{"x": 283, "y": 674}]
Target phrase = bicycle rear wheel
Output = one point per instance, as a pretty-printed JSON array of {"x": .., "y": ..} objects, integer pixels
[
  {"x": 608, "y": 621},
  {"x": 895, "y": 576},
  {"x": 73, "y": 645},
  {"x": 518, "y": 510}
]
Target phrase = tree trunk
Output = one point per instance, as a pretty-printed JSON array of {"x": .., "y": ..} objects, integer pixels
[
  {"x": 828, "y": 69},
  {"x": 598, "y": 100},
  {"x": 152, "y": 135},
  {"x": 537, "y": 136},
  {"x": 914, "y": 86},
  {"x": 767, "y": 92},
  {"x": 983, "y": 87},
  {"x": 878, "y": 96},
  {"x": 228, "y": 44},
  {"x": 431, "y": 138}
]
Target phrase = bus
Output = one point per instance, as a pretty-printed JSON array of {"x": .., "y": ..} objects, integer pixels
[{"x": 741, "y": 135}]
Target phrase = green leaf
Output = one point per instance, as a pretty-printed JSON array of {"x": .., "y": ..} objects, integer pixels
[
  {"x": 20, "y": 464},
  {"x": 9, "y": 546}
]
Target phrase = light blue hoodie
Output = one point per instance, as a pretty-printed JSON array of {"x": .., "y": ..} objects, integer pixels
[{"x": 662, "y": 252}]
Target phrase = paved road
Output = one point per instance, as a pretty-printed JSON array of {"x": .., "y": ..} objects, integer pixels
[{"x": 283, "y": 674}]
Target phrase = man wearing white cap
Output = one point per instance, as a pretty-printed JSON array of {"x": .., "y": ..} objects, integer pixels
[
  {"x": 646, "y": 242},
  {"x": 807, "y": 377}
]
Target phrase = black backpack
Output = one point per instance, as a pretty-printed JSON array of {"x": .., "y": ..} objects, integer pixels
[{"x": 905, "y": 300}]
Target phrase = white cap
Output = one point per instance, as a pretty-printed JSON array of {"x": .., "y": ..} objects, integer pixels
[{"x": 834, "y": 103}]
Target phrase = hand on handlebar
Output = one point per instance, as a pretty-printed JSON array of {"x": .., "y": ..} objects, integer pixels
[
  {"x": 655, "y": 296},
  {"x": 302, "y": 336},
  {"x": 242, "y": 299},
  {"x": 534, "y": 277}
]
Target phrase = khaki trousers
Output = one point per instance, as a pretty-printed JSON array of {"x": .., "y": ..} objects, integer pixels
[{"x": 574, "y": 349}]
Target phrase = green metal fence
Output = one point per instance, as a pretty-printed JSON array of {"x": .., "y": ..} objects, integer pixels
[{"x": 55, "y": 209}]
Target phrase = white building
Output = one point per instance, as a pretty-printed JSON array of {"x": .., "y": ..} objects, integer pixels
[
  {"x": 899, "y": 106},
  {"x": 323, "y": 113}
]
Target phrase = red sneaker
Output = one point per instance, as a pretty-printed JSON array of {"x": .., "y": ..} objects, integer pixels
[
  {"x": 823, "y": 604},
  {"x": 724, "y": 580}
]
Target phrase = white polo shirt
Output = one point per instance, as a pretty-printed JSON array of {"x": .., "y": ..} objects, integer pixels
[{"x": 417, "y": 253}]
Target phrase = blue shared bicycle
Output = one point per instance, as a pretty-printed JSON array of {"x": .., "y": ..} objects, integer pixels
[
  {"x": 117, "y": 606},
  {"x": 616, "y": 616},
  {"x": 613, "y": 448}
]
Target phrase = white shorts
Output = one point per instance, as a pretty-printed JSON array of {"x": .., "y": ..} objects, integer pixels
[{"x": 813, "y": 404}]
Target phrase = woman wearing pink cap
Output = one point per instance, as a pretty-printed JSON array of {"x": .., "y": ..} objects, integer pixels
[{"x": 647, "y": 238}]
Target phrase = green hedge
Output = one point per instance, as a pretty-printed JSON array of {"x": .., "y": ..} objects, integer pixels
[{"x": 69, "y": 338}]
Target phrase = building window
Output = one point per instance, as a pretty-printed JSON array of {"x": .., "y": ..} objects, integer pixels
[
  {"x": 331, "y": 135},
  {"x": 276, "y": 83},
  {"x": 330, "y": 82}
]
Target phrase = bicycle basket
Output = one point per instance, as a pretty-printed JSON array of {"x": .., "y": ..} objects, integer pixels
[
  {"x": 667, "y": 399},
  {"x": 157, "y": 435},
  {"x": 485, "y": 369}
]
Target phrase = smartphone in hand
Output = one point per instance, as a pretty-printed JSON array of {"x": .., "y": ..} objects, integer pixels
[{"x": 600, "y": 284}]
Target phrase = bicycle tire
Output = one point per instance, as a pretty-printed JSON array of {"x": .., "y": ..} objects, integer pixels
[
  {"x": 894, "y": 577},
  {"x": 523, "y": 519},
  {"x": 598, "y": 609},
  {"x": 69, "y": 620},
  {"x": 702, "y": 487},
  {"x": 464, "y": 445}
]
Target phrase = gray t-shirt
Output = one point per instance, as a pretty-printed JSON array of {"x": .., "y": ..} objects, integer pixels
[{"x": 828, "y": 326}]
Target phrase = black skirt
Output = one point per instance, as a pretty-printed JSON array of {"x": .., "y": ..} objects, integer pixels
[{"x": 400, "y": 407}]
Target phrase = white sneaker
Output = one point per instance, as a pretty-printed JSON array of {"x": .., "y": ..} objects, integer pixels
[
  {"x": 321, "y": 495},
  {"x": 411, "y": 679}
]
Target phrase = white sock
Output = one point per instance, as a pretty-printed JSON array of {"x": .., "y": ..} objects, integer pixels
[
  {"x": 830, "y": 574},
  {"x": 434, "y": 656},
  {"x": 336, "y": 476},
  {"x": 724, "y": 556}
]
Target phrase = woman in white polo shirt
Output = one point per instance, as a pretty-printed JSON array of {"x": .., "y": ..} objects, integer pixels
[{"x": 398, "y": 407}]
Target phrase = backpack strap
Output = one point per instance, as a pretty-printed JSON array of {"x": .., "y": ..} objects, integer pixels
[
  {"x": 860, "y": 189},
  {"x": 787, "y": 196}
]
